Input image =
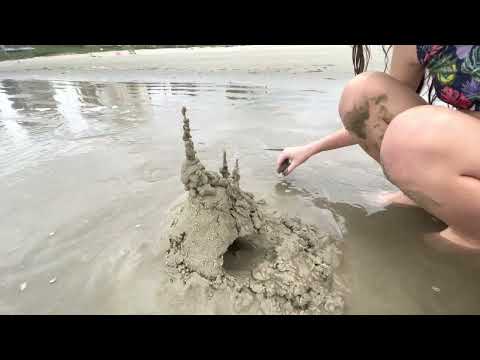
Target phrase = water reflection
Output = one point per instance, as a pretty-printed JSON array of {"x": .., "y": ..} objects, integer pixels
[
  {"x": 241, "y": 92},
  {"x": 88, "y": 94},
  {"x": 13, "y": 136},
  {"x": 69, "y": 106},
  {"x": 36, "y": 115},
  {"x": 184, "y": 88},
  {"x": 7, "y": 109},
  {"x": 117, "y": 147},
  {"x": 30, "y": 98}
]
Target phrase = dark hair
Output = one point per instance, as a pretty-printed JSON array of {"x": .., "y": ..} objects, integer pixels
[{"x": 361, "y": 57}]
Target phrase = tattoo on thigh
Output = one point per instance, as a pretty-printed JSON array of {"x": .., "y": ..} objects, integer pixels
[
  {"x": 380, "y": 99},
  {"x": 356, "y": 119},
  {"x": 384, "y": 114}
]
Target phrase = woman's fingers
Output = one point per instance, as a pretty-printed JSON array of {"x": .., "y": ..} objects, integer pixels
[
  {"x": 281, "y": 158},
  {"x": 283, "y": 167},
  {"x": 291, "y": 158},
  {"x": 284, "y": 156},
  {"x": 292, "y": 167}
]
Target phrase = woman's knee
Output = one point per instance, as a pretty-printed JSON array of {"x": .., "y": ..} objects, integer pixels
[
  {"x": 366, "y": 84},
  {"x": 363, "y": 96},
  {"x": 411, "y": 144}
]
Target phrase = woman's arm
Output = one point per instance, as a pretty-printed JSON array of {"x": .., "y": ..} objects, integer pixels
[
  {"x": 405, "y": 66},
  {"x": 339, "y": 139},
  {"x": 299, "y": 154}
]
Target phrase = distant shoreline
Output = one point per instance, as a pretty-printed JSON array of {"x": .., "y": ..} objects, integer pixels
[
  {"x": 53, "y": 50},
  {"x": 252, "y": 61}
]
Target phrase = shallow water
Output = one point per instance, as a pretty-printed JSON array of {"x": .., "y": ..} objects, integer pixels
[{"x": 88, "y": 169}]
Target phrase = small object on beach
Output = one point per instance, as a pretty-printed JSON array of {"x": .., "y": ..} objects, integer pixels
[
  {"x": 114, "y": 106},
  {"x": 52, "y": 233},
  {"x": 287, "y": 190},
  {"x": 138, "y": 225},
  {"x": 282, "y": 169},
  {"x": 436, "y": 289},
  {"x": 23, "y": 286},
  {"x": 53, "y": 280}
]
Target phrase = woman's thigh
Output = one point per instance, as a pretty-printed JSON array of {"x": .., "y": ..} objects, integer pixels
[{"x": 432, "y": 154}]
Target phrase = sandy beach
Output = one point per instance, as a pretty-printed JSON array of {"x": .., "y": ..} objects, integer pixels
[
  {"x": 293, "y": 59},
  {"x": 90, "y": 157}
]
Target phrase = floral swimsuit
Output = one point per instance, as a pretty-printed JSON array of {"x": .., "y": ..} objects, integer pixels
[{"x": 455, "y": 71}]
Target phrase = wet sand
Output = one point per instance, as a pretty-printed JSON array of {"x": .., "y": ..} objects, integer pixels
[{"x": 89, "y": 166}]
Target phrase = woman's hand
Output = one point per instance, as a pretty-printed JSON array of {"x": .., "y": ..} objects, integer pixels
[
  {"x": 292, "y": 157},
  {"x": 296, "y": 156}
]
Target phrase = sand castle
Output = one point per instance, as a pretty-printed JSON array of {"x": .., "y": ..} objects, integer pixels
[{"x": 296, "y": 273}]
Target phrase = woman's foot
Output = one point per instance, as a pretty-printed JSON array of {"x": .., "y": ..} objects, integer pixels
[
  {"x": 451, "y": 241},
  {"x": 396, "y": 199}
]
